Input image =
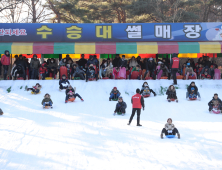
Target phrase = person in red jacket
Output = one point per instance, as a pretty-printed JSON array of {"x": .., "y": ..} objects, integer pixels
[
  {"x": 43, "y": 70},
  {"x": 5, "y": 62},
  {"x": 175, "y": 65},
  {"x": 138, "y": 102}
]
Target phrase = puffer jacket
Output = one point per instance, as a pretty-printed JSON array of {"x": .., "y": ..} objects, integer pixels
[
  {"x": 211, "y": 103},
  {"x": 46, "y": 100},
  {"x": 5, "y": 60},
  {"x": 62, "y": 63},
  {"x": 77, "y": 71},
  {"x": 169, "y": 91},
  {"x": 115, "y": 92},
  {"x": 189, "y": 88},
  {"x": 169, "y": 126},
  {"x": 43, "y": 68},
  {"x": 52, "y": 65},
  {"x": 35, "y": 64},
  {"x": 121, "y": 105}
]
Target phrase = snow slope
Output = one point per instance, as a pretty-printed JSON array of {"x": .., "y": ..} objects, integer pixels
[{"x": 86, "y": 135}]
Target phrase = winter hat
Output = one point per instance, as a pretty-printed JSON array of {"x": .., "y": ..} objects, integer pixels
[
  {"x": 69, "y": 85},
  {"x": 192, "y": 88},
  {"x": 47, "y": 94},
  {"x": 115, "y": 88},
  {"x": 120, "y": 97},
  {"x": 188, "y": 64},
  {"x": 151, "y": 59},
  {"x": 137, "y": 90}
]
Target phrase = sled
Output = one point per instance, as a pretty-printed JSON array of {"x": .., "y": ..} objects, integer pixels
[
  {"x": 92, "y": 79},
  {"x": 48, "y": 78},
  {"x": 35, "y": 93},
  {"x": 217, "y": 74},
  {"x": 192, "y": 99},
  {"x": 216, "y": 110},
  {"x": 145, "y": 96},
  {"x": 180, "y": 77},
  {"x": 122, "y": 73},
  {"x": 170, "y": 136},
  {"x": 1, "y": 113},
  {"x": 192, "y": 77},
  {"x": 71, "y": 99},
  {"x": 148, "y": 78},
  {"x": 20, "y": 78},
  {"x": 119, "y": 113},
  {"x": 62, "y": 71},
  {"x": 135, "y": 75},
  {"x": 114, "y": 99},
  {"x": 76, "y": 78},
  {"x": 47, "y": 107},
  {"x": 164, "y": 77},
  {"x": 172, "y": 99}
]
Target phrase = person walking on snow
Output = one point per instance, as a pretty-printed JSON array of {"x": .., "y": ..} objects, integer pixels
[{"x": 138, "y": 102}]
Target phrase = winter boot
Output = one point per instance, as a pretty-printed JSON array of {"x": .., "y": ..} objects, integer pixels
[
  {"x": 178, "y": 135},
  {"x": 51, "y": 107},
  {"x": 114, "y": 114},
  {"x": 161, "y": 136},
  {"x": 128, "y": 123},
  {"x": 123, "y": 114},
  {"x": 169, "y": 100},
  {"x": 138, "y": 125},
  {"x": 82, "y": 100},
  {"x": 154, "y": 94},
  {"x": 109, "y": 99},
  {"x": 177, "y": 101}
]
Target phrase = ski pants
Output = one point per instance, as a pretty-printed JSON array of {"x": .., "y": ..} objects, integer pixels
[
  {"x": 5, "y": 67},
  {"x": 187, "y": 94},
  {"x": 114, "y": 96},
  {"x": 174, "y": 131},
  {"x": 75, "y": 95},
  {"x": 138, "y": 115},
  {"x": 49, "y": 103}
]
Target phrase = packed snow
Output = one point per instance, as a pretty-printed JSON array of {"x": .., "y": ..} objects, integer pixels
[{"x": 86, "y": 135}]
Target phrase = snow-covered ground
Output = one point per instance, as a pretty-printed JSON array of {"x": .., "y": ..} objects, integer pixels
[{"x": 86, "y": 135}]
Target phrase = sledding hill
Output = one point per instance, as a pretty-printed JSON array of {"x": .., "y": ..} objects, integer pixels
[{"x": 86, "y": 135}]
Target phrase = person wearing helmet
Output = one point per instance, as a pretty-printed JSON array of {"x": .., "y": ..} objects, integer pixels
[
  {"x": 35, "y": 89},
  {"x": 47, "y": 101},
  {"x": 120, "y": 107},
  {"x": 169, "y": 129},
  {"x": 63, "y": 83},
  {"x": 214, "y": 101},
  {"x": 76, "y": 72},
  {"x": 114, "y": 94},
  {"x": 192, "y": 91},
  {"x": 70, "y": 92},
  {"x": 146, "y": 89}
]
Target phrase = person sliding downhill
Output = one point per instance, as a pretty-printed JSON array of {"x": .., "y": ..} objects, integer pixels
[
  {"x": 120, "y": 107},
  {"x": 63, "y": 83},
  {"x": 146, "y": 90},
  {"x": 171, "y": 94},
  {"x": 68, "y": 93},
  {"x": 192, "y": 91}
]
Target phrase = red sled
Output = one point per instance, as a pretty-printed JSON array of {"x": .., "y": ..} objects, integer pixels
[
  {"x": 145, "y": 96},
  {"x": 216, "y": 111},
  {"x": 192, "y": 77},
  {"x": 164, "y": 77},
  {"x": 92, "y": 79},
  {"x": 193, "y": 98},
  {"x": 62, "y": 71},
  {"x": 148, "y": 78},
  {"x": 172, "y": 100},
  {"x": 20, "y": 78}
]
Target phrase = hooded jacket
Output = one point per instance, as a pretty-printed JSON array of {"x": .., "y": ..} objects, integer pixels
[
  {"x": 212, "y": 101},
  {"x": 63, "y": 81},
  {"x": 62, "y": 63},
  {"x": 170, "y": 91},
  {"x": 120, "y": 105},
  {"x": 189, "y": 88},
  {"x": 52, "y": 65},
  {"x": 5, "y": 60},
  {"x": 115, "y": 92},
  {"x": 46, "y": 100},
  {"x": 35, "y": 64}
]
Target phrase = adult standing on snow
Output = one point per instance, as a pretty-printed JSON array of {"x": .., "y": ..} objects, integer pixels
[
  {"x": 138, "y": 102},
  {"x": 5, "y": 62},
  {"x": 175, "y": 65}
]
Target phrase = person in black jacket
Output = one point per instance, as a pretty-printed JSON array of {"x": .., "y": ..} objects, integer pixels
[
  {"x": 82, "y": 62},
  {"x": 91, "y": 73},
  {"x": 120, "y": 107},
  {"x": 74, "y": 94},
  {"x": 213, "y": 101},
  {"x": 76, "y": 72},
  {"x": 18, "y": 71},
  {"x": 145, "y": 86},
  {"x": 171, "y": 93},
  {"x": 123, "y": 62},
  {"x": 1, "y": 112},
  {"x": 150, "y": 67},
  {"x": 63, "y": 83},
  {"x": 195, "y": 91},
  {"x": 117, "y": 61}
]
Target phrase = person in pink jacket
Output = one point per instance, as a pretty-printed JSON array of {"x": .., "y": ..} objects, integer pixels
[{"x": 5, "y": 60}]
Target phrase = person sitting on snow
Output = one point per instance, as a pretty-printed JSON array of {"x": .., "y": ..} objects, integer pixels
[
  {"x": 73, "y": 94},
  {"x": 1, "y": 112},
  {"x": 189, "y": 71},
  {"x": 91, "y": 73},
  {"x": 114, "y": 94},
  {"x": 170, "y": 129},
  {"x": 171, "y": 93},
  {"x": 146, "y": 90},
  {"x": 215, "y": 101},
  {"x": 192, "y": 91},
  {"x": 35, "y": 89},
  {"x": 76, "y": 72},
  {"x": 120, "y": 106},
  {"x": 137, "y": 68},
  {"x": 47, "y": 101},
  {"x": 63, "y": 83}
]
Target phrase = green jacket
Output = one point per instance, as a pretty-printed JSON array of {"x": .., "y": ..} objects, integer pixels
[
  {"x": 46, "y": 100},
  {"x": 134, "y": 69}
]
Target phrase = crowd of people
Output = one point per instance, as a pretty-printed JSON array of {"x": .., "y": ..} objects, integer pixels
[{"x": 83, "y": 69}]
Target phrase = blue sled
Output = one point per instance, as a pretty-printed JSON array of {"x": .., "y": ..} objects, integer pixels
[{"x": 170, "y": 136}]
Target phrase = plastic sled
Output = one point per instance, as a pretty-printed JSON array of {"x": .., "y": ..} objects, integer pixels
[
  {"x": 1, "y": 113},
  {"x": 92, "y": 79},
  {"x": 217, "y": 74},
  {"x": 180, "y": 77},
  {"x": 145, "y": 96},
  {"x": 122, "y": 73},
  {"x": 164, "y": 77},
  {"x": 20, "y": 78},
  {"x": 35, "y": 93},
  {"x": 114, "y": 99},
  {"x": 170, "y": 136},
  {"x": 77, "y": 78},
  {"x": 48, "y": 78},
  {"x": 105, "y": 78},
  {"x": 47, "y": 107},
  {"x": 171, "y": 99},
  {"x": 216, "y": 111},
  {"x": 135, "y": 75},
  {"x": 192, "y": 98},
  {"x": 62, "y": 71},
  {"x": 119, "y": 113},
  {"x": 71, "y": 99},
  {"x": 148, "y": 78},
  {"x": 191, "y": 77}
]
